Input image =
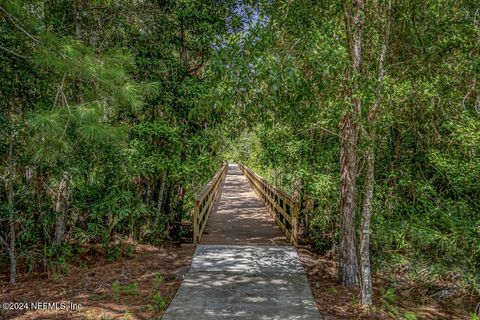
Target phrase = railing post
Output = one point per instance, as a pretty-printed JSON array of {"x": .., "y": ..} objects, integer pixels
[
  {"x": 295, "y": 214},
  {"x": 196, "y": 227}
]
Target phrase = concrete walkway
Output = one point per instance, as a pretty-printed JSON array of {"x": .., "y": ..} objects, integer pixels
[{"x": 244, "y": 268}]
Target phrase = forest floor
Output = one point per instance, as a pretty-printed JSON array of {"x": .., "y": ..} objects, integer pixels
[
  {"x": 337, "y": 302},
  {"x": 137, "y": 288},
  {"x": 142, "y": 288}
]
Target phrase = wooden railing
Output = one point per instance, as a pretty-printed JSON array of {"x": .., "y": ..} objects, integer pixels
[
  {"x": 283, "y": 208},
  {"x": 205, "y": 201}
]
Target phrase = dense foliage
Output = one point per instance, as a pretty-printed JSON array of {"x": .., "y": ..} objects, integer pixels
[
  {"x": 426, "y": 205},
  {"x": 106, "y": 112}
]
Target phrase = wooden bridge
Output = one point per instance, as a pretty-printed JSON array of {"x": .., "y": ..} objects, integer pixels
[
  {"x": 240, "y": 217},
  {"x": 245, "y": 265}
]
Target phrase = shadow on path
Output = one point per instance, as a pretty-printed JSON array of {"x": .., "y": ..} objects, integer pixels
[{"x": 240, "y": 216}]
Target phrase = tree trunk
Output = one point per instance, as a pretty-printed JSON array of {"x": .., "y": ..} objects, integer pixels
[
  {"x": 177, "y": 218},
  {"x": 348, "y": 271},
  {"x": 160, "y": 196},
  {"x": 348, "y": 169},
  {"x": 78, "y": 19},
  {"x": 365, "y": 266},
  {"x": 61, "y": 208},
  {"x": 11, "y": 251},
  {"x": 11, "y": 216},
  {"x": 365, "y": 237}
]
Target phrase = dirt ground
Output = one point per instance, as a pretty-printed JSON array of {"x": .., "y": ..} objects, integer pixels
[
  {"x": 337, "y": 302},
  {"x": 138, "y": 288},
  {"x": 142, "y": 288}
]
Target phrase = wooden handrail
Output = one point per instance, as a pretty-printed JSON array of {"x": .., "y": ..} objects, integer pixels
[
  {"x": 205, "y": 202},
  {"x": 283, "y": 208}
]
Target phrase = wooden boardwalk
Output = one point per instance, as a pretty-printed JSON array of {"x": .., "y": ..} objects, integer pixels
[
  {"x": 240, "y": 217},
  {"x": 244, "y": 267}
]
